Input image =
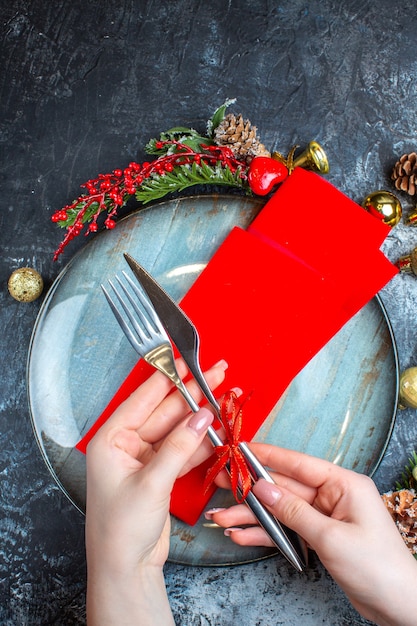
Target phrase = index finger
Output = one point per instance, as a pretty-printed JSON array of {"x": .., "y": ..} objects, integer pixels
[{"x": 304, "y": 468}]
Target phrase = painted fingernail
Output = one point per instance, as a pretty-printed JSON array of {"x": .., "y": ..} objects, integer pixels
[
  {"x": 209, "y": 514},
  {"x": 201, "y": 421},
  {"x": 222, "y": 363},
  {"x": 229, "y": 531},
  {"x": 267, "y": 492}
]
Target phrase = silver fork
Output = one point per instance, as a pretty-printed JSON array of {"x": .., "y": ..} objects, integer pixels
[{"x": 150, "y": 340}]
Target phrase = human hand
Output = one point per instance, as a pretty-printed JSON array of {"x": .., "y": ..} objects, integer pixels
[
  {"x": 342, "y": 517},
  {"x": 132, "y": 464}
]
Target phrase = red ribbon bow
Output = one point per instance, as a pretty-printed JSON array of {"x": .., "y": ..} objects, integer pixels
[{"x": 229, "y": 452}]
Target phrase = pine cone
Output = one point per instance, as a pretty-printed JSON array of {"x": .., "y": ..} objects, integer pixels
[
  {"x": 240, "y": 136},
  {"x": 405, "y": 173},
  {"x": 402, "y": 506}
]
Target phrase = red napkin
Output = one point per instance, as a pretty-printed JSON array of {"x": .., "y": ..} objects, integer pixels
[{"x": 273, "y": 296}]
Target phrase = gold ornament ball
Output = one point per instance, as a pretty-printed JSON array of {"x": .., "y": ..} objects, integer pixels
[
  {"x": 25, "y": 284},
  {"x": 408, "y": 389},
  {"x": 385, "y": 206}
]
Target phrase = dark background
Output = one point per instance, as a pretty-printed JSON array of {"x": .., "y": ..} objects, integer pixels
[{"x": 84, "y": 85}]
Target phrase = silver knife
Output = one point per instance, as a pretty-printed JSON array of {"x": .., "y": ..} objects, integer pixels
[{"x": 185, "y": 336}]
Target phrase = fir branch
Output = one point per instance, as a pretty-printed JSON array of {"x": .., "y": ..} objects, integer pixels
[
  {"x": 185, "y": 176},
  {"x": 407, "y": 479},
  {"x": 180, "y": 134}
]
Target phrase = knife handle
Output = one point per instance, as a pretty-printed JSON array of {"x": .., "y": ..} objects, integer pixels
[{"x": 268, "y": 522}]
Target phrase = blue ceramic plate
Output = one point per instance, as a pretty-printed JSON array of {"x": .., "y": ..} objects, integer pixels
[{"x": 341, "y": 407}]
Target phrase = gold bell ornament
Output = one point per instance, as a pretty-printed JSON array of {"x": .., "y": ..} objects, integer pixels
[
  {"x": 25, "y": 284},
  {"x": 408, "y": 263},
  {"x": 313, "y": 158},
  {"x": 408, "y": 389},
  {"x": 383, "y": 205}
]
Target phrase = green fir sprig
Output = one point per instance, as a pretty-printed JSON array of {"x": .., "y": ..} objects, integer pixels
[
  {"x": 185, "y": 176},
  {"x": 184, "y": 158},
  {"x": 408, "y": 479}
]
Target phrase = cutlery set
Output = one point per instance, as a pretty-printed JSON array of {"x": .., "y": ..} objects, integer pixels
[{"x": 153, "y": 322}]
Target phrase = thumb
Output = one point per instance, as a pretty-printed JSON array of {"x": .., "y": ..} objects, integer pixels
[
  {"x": 177, "y": 449},
  {"x": 293, "y": 511}
]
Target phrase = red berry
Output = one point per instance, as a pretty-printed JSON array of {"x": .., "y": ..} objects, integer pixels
[
  {"x": 93, "y": 227},
  {"x": 264, "y": 173},
  {"x": 118, "y": 173},
  {"x": 109, "y": 223}
]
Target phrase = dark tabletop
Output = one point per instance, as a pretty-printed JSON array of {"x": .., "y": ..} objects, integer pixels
[{"x": 84, "y": 85}]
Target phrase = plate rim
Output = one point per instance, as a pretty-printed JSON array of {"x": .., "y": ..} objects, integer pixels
[{"x": 67, "y": 267}]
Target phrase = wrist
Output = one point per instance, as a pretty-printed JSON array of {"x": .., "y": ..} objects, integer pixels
[{"x": 127, "y": 598}]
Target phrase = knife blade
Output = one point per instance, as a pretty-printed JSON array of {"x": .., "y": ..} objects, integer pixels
[{"x": 185, "y": 337}]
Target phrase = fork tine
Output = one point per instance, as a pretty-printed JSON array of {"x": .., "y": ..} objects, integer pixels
[
  {"x": 146, "y": 304},
  {"x": 125, "y": 328},
  {"x": 139, "y": 320}
]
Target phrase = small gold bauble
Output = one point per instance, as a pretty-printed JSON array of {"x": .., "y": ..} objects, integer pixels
[
  {"x": 25, "y": 284},
  {"x": 385, "y": 206},
  {"x": 408, "y": 389}
]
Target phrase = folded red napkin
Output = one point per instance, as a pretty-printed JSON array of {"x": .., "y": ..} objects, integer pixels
[{"x": 273, "y": 296}]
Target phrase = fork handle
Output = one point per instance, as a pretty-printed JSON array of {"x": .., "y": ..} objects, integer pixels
[{"x": 268, "y": 521}]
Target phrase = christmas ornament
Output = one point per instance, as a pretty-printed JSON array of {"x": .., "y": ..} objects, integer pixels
[
  {"x": 408, "y": 262},
  {"x": 184, "y": 158},
  {"x": 264, "y": 173},
  {"x": 240, "y": 136},
  {"x": 384, "y": 205},
  {"x": 25, "y": 284},
  {"x": 312, "y": 158},
  {"x": 404, "y": 173},
  {"x": 408, "y": 389},
  {"x": 402, "y": 506}
]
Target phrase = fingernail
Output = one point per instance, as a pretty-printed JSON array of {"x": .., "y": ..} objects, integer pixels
[
  {"x": 201, "y": 421},
  {"x": 267, "y": 492},
  {"x": 209, "y": 514},
  {"x": 228, "y": 531},
  {"x": 237, "y": 390},
  {"x": 222, "y": 363}
]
